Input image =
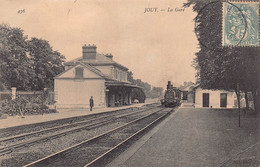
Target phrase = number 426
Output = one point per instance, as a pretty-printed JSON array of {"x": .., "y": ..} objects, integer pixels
[{"x": 21, "y": 11}]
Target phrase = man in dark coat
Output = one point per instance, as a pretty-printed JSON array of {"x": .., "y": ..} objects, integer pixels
[{"x": 91, "y": 103}]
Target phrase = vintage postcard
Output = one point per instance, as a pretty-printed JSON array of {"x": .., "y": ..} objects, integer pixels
[{"x": 133, "y": 83}]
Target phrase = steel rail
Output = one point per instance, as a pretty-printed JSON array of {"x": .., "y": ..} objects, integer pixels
[
  {"x": 126, "y": 140},
  {"x": 50, "y": 129},
  {"x": 88, "y": 140},
  {"x": 9, "y": 149}
]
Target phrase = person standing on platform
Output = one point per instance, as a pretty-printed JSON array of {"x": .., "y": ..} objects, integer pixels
[{"x": 91, "y": 103}]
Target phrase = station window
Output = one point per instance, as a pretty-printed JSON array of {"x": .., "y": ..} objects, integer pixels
[
  {"x": 79, "y": 72},
  {"x": 124, "y": 76},
  {"x": 120, "y": 75},
  {"x": 115, "y": 74},
  {"x": 111, "y": 71}
]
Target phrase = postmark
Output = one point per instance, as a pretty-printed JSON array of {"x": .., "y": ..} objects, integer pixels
[
  {"x": 210, "y": 23},
  {"x": 240, "y": 24}
]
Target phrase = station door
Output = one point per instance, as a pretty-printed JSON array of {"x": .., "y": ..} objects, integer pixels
[
  {"x": 223, "y": 100},
  {"x": 205, "y": 99}
]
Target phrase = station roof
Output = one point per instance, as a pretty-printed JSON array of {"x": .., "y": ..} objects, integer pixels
[
  {"x": 108, "y": 80},
  {"x": 100, "y": 60}
]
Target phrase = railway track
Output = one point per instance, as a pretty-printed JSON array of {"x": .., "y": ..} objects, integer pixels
[
  {"x": 23, "y": 129},
  {"x": 28, "y": 139},
  {"x": 97, "y": 151},
  {"x": 69, "y": 123}
]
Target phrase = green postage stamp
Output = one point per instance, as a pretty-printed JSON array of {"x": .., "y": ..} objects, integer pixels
[{"x": 240, "y": 23}]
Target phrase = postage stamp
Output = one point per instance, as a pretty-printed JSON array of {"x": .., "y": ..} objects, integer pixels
[{"x": 240, "y": 23}]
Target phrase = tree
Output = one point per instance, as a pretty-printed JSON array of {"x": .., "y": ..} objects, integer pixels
[
  {"x": 15, "y": 68},
  {"x": 130, "y": 77},
  {"x": 186, "y": 84},
  {"x": 26, "y": 64},
  {"x": 223, "y": 67},
  {"x": 156, "y": 92},
  {"x": 46, "y": 63},
  {"x": 148, "y": 91}
]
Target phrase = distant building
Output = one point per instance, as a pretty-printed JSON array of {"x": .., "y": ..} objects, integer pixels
[
  {"x": 187, "y": 93},
  {"x": 214, "y": 98},
  {"x": 92, "y": 74}
]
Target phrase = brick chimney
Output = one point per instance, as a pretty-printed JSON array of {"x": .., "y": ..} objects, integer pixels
[
  {"x": 89, "y": 51},
  {"x": 110, "y": 56}
]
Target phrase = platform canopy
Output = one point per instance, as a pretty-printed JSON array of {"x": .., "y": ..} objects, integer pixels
[
  {"x": 119, "y": 93},
  {"x": 118, "y": 83}
]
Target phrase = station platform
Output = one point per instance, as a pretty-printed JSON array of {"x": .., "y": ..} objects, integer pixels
[
  {"x": 13, "y": 121},
  {"x": 192, "y": 137}
]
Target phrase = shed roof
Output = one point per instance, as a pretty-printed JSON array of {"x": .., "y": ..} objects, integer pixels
[{"x": 189, "y": 87}]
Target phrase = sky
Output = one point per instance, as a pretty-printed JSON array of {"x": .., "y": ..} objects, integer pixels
[{"x": 156, "y": 46}]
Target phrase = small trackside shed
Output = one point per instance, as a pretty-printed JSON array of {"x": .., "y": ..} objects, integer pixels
[{"x": 214, "y": 98}]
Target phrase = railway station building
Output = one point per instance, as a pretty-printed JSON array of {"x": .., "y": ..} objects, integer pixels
[{"x": 93, "y": 74}]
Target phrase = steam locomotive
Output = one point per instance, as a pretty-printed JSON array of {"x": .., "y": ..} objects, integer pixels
[{"x": 172, "y": 96}]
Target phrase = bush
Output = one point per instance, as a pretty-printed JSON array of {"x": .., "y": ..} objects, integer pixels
[{"x": 25, "y": 106}]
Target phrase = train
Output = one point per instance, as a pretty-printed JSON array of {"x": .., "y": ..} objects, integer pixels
[{"x": 172, "y": 96}]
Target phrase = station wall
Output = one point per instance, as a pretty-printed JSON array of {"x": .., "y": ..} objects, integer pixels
[
  {"x": 214, "y": 98},
  {"x": 76, "y": 93}
]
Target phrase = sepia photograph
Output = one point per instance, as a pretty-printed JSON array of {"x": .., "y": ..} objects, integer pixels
[{"x": 133, "y": 83}]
